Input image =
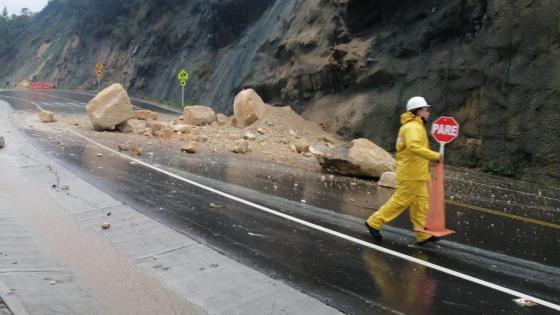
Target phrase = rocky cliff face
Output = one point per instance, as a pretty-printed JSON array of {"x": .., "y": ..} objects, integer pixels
[{"x": 350, "y": 65}]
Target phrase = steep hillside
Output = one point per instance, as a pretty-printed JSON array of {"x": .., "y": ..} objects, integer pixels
[{"x": 348, "y": 64}]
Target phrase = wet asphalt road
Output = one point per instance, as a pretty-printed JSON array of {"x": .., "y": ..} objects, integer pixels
[{"x": 500, "y": 248}]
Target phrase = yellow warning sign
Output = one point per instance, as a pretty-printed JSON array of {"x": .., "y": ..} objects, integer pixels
[{"x": 183, "y": 75}]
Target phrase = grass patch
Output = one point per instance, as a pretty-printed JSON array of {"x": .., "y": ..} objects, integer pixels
[
  {"x": 173, "y": 103},
  {"x": 495, "y": 168}
]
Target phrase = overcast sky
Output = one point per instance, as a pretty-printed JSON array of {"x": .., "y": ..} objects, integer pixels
[{"x": 15, "y": 6}]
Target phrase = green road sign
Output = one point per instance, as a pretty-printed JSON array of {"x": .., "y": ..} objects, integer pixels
[
  {"x": 183, "y": 75},
  {"x": 183, "y": 82}
]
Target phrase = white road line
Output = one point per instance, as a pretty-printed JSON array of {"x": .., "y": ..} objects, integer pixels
[{"x": 332, "y": 232}]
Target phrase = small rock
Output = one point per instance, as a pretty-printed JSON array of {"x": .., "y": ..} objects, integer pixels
[
  {"x": 388, "y": 179},
  {"x": 241, "y": 146},
  {"x": 65, "y": 187},
  {"x": 302, "y": 145},
  {"x": 201, "y": 138},
  {"x": 190, "y": 147},
  {"x": 46, "y": 116},
  {"x": 2, "y": 142},
  {"x": 165, "y": 133},
  {"x": 327, "y": 140},
  {"x": 132, "y": 125},
  {"x": 233, "y": 136},
  {"x": 263, "y": 131},
  {"x": 156, "y": 125},
  {"x": 292, "y": 133},
  {"x": 123, "y": 147},
  {"x": 52, "y": 282},
  {"x": 213, "y": 205},
  {"x": 249, "y": 136},
  {"x": 105, "y": 225},
  {"x": 145, "y": 114},
  {"x": 136, "y": 150},
  {"x": 109, "y": 213},
  {"x": 147, "y": 132},
  {"x": 182, "y": 128},
  {"x": 222, "y": 119},
  {"x": 293, "y": 147},
  {"x": 99, "y": 154}
]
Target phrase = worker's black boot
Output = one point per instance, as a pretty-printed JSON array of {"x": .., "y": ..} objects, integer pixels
[{"x": 374, "y": 233}]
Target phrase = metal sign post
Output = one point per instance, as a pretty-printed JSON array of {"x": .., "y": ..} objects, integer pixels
[{"x": 99, "y": 73}]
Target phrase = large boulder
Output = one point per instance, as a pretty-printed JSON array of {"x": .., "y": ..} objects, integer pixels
[
  {"x": 198, "y": 115},
  {"x": 110, "y": 108},
  {"x": 248, "y": 107},
  {"x": 361, "y": 158}
]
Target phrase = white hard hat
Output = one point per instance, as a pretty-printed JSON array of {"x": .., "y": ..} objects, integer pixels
[{"x": 416, "y": 102}]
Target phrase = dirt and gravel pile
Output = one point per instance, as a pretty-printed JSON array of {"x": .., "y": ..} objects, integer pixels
[{"x": 276, "y": 134}]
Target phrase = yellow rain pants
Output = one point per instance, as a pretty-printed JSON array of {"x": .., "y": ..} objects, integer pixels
[{"x": 411, "y": 194}]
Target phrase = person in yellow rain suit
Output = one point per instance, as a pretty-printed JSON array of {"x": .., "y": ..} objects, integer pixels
[{"x": 413, "y": 173}]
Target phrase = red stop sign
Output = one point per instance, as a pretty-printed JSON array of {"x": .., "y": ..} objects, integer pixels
[{"x": 445, "y": 129}]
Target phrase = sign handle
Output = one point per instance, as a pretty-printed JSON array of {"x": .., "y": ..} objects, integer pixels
[
  {"x": 441, "y": 151},
  {"x": 98, "y": 84}
]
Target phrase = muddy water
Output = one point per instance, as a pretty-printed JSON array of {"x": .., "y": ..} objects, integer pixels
[{"x": 114, "y": 281}]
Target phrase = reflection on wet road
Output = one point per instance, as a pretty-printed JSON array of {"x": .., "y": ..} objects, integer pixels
[{"x": 345, "y": 275}]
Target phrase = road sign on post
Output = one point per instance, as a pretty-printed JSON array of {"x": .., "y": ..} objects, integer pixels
[
  {"x": 183, "y": 77},
  {"x": 99, "y": 73},
  {"x": 444, "y": 130}
]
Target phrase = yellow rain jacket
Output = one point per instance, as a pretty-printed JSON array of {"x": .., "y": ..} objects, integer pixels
[{"x": 413, "y": 151}]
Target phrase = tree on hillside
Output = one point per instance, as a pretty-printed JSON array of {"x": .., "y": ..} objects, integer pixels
[{"x": 4, "y": 16}]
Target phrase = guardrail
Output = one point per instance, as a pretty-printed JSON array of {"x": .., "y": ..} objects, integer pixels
[{"x": 40, "y": 86}]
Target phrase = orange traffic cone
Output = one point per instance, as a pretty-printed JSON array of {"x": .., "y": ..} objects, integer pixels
[{"x": 435, "y": 223}]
